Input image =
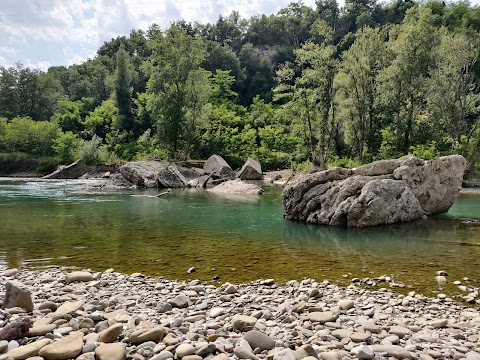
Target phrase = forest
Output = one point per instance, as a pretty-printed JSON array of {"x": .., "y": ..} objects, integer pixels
[{"x": 329, "y": 86}]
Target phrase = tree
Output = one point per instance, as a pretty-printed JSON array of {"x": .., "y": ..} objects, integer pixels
[
  {"x": 68, "y": 116},
  {"x": 403, "y": 81},
  {"x": 358, "y": 90},
  {"x": 452, "y": 96},
  {"x": 33, "y": 137},
  {"x": 65, "y": 146},
  {"x": 123, "y": 92},
  {"x": 311, "y": 93},
  {"x": 99, "y": 121},
  {"x": 175, "y": 55},
  {"x": 28, "y": 93}
]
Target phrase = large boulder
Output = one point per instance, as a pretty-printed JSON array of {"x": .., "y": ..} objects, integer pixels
[
  {"x": 251, "y": 170},
  {"x": 218, "y": 167},
  {"x": 150, "y": 174},
  {"x": 382, "y": 192}
]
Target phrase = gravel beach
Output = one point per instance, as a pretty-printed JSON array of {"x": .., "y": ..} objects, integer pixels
[{"x": 54, "y": 314}]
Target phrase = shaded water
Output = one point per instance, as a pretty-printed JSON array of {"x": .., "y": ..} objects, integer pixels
[{"x": 53, "y": 223}]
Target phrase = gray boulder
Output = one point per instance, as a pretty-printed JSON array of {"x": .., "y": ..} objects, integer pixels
[
  {"x": 152, "y": 174},
  {"x": 191, "y": 173},
  {"x": 217, "y": 166},
  {"x": 383, "y": 192},
  {"x": 251, "y": 170},
  {"x": 170, "y": 177},
  {"x": 72, "y": 171}
]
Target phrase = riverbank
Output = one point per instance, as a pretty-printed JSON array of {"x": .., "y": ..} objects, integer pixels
[{"x": 112, "y": 316}]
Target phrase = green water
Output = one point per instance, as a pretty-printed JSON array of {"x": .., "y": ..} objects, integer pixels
[{"x": 54, "y": 223}]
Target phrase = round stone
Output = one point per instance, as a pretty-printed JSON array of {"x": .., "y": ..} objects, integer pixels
[{"x": 184, "y": 350}]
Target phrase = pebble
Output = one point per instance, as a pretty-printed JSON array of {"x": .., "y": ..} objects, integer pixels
[
  {"x": 257, "y": 339},
  {"x": 66, "y": 348},
  {"x": 184, "y": 350},
  {"x": 75, "y": 276},
  {"x": 346, "y": 304},
  {"x": 147, "y": 334},
  {"x": 360, "y": 337},
  {"x": 363, "y": 352},
  {"x": 140, "y": 318},
  {"x": 29, "y": 350},
  {"x": 243, "y": 322},
  {"x": 41, "y": 329},
  {"x": 243, "y": 353},
  {"x": 400, "y": 331},
  {"x": 116, "y": 351},
  {"x": 17, "y": 295},
  {"x": 111, "y": 334}
]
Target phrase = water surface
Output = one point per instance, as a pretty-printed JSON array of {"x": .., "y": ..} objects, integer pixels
[{"x": 55, "y": 223}]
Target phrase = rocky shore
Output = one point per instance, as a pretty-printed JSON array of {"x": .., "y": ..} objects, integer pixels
[{"x": 108, "y": 316}]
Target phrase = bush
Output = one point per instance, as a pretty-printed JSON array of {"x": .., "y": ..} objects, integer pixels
[
  {"x": 91, "y": 151},
  {"x": 343, "y": 162},
  {"x": 65, "y": 146}
]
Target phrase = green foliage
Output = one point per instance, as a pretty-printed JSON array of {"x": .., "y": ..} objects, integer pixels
[
  {"x": 361, "y": 82},
  {"x": 99, "y": 121},
  {"x": 175, "y": 55},
  {"x": 65, "y": 146},
  {"x": 68, "y": 116},
  {"x": 22, "y": 134},
  {"x": 123, "y": 79},
  {"x": 311, "y": 94},
  {"x": 91, "y": 151},
  {"x": 425, "y": 151},
  {"x": 343, "y": 162},
  {"x": 358, "y": 94}
]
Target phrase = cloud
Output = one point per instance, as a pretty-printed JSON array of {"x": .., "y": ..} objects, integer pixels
[{"x": 65, "y": 32}]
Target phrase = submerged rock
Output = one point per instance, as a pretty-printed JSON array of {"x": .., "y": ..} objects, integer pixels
[
  {"x": 383, "y": 192},
  {"x": 237, "y": 187}
]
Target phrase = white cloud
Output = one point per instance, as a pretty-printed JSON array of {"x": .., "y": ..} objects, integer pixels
[
  {"x": 63, "y": 32},
  {"x": 42, "y": 65}
]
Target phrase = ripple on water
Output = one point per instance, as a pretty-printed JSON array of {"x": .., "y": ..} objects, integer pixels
[{"x": 43, "y": 225}]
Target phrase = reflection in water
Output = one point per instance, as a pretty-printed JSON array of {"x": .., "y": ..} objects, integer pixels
[{"x": 52, "y": 223}]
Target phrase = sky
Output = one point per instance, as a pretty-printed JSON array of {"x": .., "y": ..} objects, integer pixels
[{"x": 44, "y": 33}]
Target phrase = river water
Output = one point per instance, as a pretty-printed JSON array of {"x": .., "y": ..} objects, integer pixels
[{"x": 54, "y": 223}]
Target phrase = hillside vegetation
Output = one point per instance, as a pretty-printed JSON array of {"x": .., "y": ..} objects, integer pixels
[{"x": 324, "y": 85}]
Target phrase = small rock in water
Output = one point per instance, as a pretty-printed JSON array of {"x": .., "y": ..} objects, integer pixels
[
  {"x": 441, "y": 280},
  {"x": 191, "y": 270}
]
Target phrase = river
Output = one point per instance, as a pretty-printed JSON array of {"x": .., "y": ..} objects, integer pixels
[{"x": 55, "y": 223}]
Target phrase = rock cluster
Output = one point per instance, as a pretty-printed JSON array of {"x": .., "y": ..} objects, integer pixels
[
  {"x": 158, "y": 174},
  {"x": 114, "y": 316},
  {"x": 383, "y": 192}
]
